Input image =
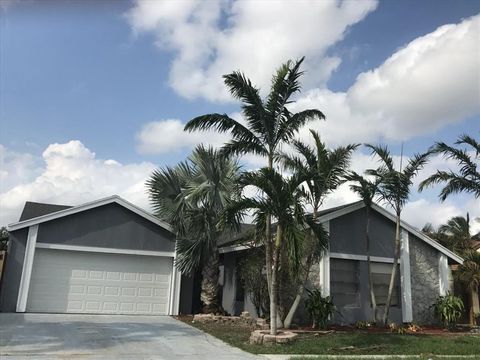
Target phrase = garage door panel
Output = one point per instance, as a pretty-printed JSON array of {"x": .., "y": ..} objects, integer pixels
[{"x": 83, "y": 282}]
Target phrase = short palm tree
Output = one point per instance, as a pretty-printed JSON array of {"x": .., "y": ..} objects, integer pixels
[
  {"x": 283, "y": 199},
  {"x": 269, "y": 123},
  {"x": 467, "y": 179},
  {"x": 191, "y": 197},
  {"x": 367, "y": 190},
  {"x": 394, "y": 189},
  {"x": 324, "y": 171},
  {"x": 469, "y": 274}
]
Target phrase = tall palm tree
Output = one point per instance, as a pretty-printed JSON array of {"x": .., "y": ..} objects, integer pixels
[
  {"x": 283, "y": 199},
  {"x": 468, "y": 178},
  {"x": 269, "y": 123},
  {"x": 324, "y": 170},
  {"x": 394, "y": 189},
  {"x": 367, "y": 190},
  {"x": 191, "y": 197}
]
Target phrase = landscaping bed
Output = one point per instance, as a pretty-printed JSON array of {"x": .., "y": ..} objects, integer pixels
[{"x": 351, "y": 342}]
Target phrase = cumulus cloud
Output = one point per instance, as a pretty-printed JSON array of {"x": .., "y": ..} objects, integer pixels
[
  {"x": 71, "y": 174},
  {"x": 432, "y": 82},
  {"x": 212, "y": 38},
  {"x": 163, "y": 136}
]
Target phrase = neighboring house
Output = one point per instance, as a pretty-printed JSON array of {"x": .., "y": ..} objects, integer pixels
[
  {"x": 106, "y": 256},
  {"x": 423, "y": 274}
]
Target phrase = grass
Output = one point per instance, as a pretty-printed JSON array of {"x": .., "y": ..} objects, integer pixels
[{"x": 355, "y": 343}]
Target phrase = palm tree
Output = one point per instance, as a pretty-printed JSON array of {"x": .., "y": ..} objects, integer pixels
[
  {"x": 367, "y": 190},
  {"x": 283, "y": 199},
  {"x": 269, "y": 123},
  {"x": 191, "y": 197},
  {"x": 469, "y": 274},
  {"x": 468, "y": 178},
  {"x": 454, "y": 235},
  {"x": 394, "y": 189},
  {"x": 324, "y": 170}
]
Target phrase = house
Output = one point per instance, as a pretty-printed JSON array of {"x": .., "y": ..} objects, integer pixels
[
  {"x": 111, "y": 257},
  {"x": 106, "y": 256},
  {"x": 423, "y": 269}
]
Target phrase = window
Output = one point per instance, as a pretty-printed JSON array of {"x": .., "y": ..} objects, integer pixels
[
  {"x": 344, "y": 282},
  {"x": 381, "y": 273}
]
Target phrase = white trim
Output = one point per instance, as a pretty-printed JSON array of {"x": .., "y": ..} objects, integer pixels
[
  {"x": 405, "y": 277},
  {"x": 347, "y": 209},
  {"x": 27, "y": 268},
  {"x": 87, "y": 206},
  {"x": 233, "y": 248},
  {"x": 358, "y": 205},
  {"x": 361, "y": 257},
  {"x": 174, "y": 291},
  {"x": 325, "y": 267},
  {"x": 419, "y": 234},
  {"x": 443, "y": 275},
  {"x": 103, "y": 250}
]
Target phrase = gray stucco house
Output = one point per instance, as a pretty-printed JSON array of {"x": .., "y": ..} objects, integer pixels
[
  {"x": 106, "y": 256},
  {"x": 111, "y": 257},
  {"x": 424, "y": 271}
]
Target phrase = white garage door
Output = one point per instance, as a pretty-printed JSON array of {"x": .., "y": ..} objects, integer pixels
[{"x": 87, "y": 282}]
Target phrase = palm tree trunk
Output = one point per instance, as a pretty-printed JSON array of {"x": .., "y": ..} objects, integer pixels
[
  {"x": 268, "y": 240},
  {"x": 274, "y": 287},
  {"x": 209, "y": 288},
  {"x": 301, "y": 288},
  {"x": 474, "y": 305},
  {"x": 394, "y": 270},
  {"x": 369, "y": 263}
]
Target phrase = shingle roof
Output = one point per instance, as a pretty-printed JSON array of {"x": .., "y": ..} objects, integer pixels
[{"x": 34, "y": 209}]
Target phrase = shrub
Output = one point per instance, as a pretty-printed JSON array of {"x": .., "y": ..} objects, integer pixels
[
  {"x": 448, "y": 309},
  {"x": 319, "y": 308},
  {"x": 251, "y": 274},
  {"x": 362, "y": 324}
]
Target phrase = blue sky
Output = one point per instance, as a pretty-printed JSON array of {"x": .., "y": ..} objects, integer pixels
[{"x": 120, "y": 77}]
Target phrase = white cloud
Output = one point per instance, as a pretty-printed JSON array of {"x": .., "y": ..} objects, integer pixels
[
  {"x": 212, "y": 38},
  {"x": 71, "y": 174},
  {"x": 164, "y": 136},
  {"x": 432, "y": 82}
]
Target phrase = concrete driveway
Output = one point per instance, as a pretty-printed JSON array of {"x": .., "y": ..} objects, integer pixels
[{"x": 54, "y": 336}]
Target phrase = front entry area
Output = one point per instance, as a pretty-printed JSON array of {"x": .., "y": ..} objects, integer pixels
[{"x": 99, "y": 283}]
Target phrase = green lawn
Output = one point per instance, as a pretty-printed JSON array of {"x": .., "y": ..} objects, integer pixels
[{"x": 357, "y": 343}]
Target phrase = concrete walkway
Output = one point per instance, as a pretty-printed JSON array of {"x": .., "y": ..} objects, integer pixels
[{"x": 54, "y": 336}]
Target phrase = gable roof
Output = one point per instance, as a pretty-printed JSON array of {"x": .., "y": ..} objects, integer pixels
[
  {"x": 34, "y": 209},
  {"x": 115, "y": 199},
  {"x": 343, "y": 210}
]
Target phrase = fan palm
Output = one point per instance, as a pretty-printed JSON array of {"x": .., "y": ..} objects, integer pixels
[
  {"x": 269, "y": 123},
  {"x": 324, "y": 171},
  {"x": 394, "y": 189},
  {"x": 191, "y": 197},
  {"x": 367, "y": 190},
  {"x": 468, "y": 178},
  {"x": 283, "y": 199}
]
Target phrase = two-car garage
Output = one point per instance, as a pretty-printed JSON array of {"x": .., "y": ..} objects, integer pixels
[
  {"x": 104, "y": 257},
  {"x": 88, "y": 282}
]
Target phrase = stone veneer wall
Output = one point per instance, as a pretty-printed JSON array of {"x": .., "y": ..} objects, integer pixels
[{"x": 425, "y": 280}]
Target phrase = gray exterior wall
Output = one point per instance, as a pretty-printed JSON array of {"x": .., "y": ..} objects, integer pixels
[
  {"x": 425, "y": 279},
  {"x": 347, "y": 234},
  {"x": 110, "y": 226},
  {"x": 13, "y": 270}
]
